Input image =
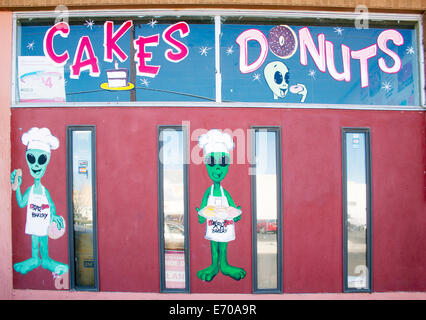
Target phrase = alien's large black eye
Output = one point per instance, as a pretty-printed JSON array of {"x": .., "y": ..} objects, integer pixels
[
  {"x": 278, "y": 77},
  {"x": 210, "y": 161},
  {"x": 224, "y": 161},
  {"x": 42, "y": 159},
  {"x": 30, "y": 157},
  {"x": 287, "y": 77}
]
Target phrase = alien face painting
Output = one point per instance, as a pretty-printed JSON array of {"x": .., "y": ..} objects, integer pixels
[
  {"x": 277, "y": 77},
  {"x": 217, "y": 165},
  {"x": 37, "y": 161}
]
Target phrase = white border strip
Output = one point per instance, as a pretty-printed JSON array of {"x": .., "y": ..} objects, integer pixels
[
  {"x": 217, "y": 30},
  {"x": 13, "y": 86},
  {"x": 290, "y": 14},
  {"x": 195, "y": 104},
  {"x": 422, "y": 66}
]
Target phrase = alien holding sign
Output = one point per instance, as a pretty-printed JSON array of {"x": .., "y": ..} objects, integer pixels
[
  {"x": 41, "y": 212},
  {"x": 217, "y": 208}
]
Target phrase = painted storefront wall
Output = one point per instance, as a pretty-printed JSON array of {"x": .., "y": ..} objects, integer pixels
[
  {"x": 202, "y": 59},
  {"x": 128, "y": 76}
]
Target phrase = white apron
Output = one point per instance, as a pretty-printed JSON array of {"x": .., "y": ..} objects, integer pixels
[
  {"x": 219, "y": 230},
  {"x": 38, "y": 214}
]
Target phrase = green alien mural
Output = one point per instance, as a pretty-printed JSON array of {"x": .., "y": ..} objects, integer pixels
[
  {"x": 218, "y": 209},
  {"x": 41, "y": 213}
]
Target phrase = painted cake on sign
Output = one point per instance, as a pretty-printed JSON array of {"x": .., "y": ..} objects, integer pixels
[
  {"x": 118, "y": 77},
  {"x": 219, "y": 213}
]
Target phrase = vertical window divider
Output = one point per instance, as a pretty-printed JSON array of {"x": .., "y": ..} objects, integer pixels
[
  {"x": 218, "y": 74},
  {"x": 70, "y": 207},
  {"x": 161, "y": 219},
  {"x": 278, "y": 159},
  {"x": 369, "y": 232}
]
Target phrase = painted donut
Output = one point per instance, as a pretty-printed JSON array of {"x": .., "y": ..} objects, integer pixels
[
  {"x": 54, "y": 232},
  {"x": 15, "y": 181},
  {"x": 296, "y": 88},
  {"x": 282, "y": 41}
]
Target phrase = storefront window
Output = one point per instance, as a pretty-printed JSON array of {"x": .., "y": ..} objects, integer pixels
[
  {"x": 173, "y": 207},
  {"x": 92, "y": 59},
  {"x": 217, "y": 59},
  {"x": 323, "y": 61},
  {"x": 266, "y": 197},
  {"x": 82, "y": 208},
  {"x": 357, "y": 215}
]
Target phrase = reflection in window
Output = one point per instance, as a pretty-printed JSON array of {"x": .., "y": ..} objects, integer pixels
[
  {"x": 356, "y": 212},
  {"x": 81, "y": 201},
  {"x": 267, "y": 206},
  {"x": 173, "y": 217}
]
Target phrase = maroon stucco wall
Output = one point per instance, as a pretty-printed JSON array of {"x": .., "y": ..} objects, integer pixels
[{"x": 312, "y": 195}]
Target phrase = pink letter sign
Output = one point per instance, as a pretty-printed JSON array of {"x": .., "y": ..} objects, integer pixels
[
  {"x": 60, "y": 28},
  {"x": 242, "y": 40}
]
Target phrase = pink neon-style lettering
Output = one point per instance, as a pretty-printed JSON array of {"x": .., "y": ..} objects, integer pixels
[
  {"x": 307, "y": 44},
  {"x": 331, "y": 66},
  {"x": 63, "y": 29},
  {"x": 90, "y": 63},
  {"x": 181, "y": 50},
  {"x": 363, "y": 55},
  {"x": 242, "y": 40},
  {"x": 141, "y": 56},
  {"x": 382, "y": 40},
  {"x": 110, "y": 40}
]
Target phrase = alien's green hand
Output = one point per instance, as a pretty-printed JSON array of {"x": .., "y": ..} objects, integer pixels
[
  {"x": 58, "y": 220},
  {"x": 201, "y": 219},
  {"x": 12, "y": 179},
  {"x": 12, "y": 176}
]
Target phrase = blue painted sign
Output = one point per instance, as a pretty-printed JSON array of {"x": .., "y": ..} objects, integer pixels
[
  {"x": 317, "y": 64},
  {"x": 108, "y": 61},
  {"x": 169, "y": 62}
]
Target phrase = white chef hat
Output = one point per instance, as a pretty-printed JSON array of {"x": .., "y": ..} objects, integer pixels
[
  {"x": 215, "y": 141},
  {"x": 40, "y": 138}
]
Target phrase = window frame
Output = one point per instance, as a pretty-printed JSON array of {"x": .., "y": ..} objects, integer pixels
[
  {"x": 278, "y": 155},
  {"x": 217, "y": 14},
  {"x": 70, "y": 207},
  {"x": 185, "y": 145},
  {"x": 369, "y": 233}
]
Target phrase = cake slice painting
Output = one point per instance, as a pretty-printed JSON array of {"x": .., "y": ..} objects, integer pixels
[{"x": 117, "y": 79}]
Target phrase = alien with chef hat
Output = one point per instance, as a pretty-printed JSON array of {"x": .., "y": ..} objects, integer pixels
[
  {"x": 217, "y": 208},
  {"x": 41, "y": 210}
]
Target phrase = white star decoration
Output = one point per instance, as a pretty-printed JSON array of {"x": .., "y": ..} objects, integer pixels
[
  {"x": 89, "y": 24},
  {"x": 145, "y": 82},
  {"x": 386, "y": 86},
  {"x": 152, "y": 23},
  {"x": 256, "y": 77},
  {"x": 312, "y": 73},
  {"x": 204, "y": 50},
  {"x": 409, "y": 50},
  {"x": 230, "y": 50},
  {"x": 30, "y": 45},
  {"x": 338, "y": 30}
]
